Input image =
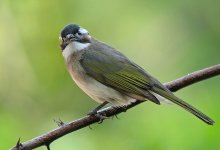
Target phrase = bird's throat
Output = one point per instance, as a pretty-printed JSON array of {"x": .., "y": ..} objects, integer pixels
[{"x": 73, "y": 47}]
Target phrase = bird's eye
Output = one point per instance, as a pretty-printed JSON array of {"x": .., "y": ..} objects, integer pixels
[{"x": 79, "y": 33}]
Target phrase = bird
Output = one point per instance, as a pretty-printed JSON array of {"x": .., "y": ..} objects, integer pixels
[{"x": 109, "y": 77}]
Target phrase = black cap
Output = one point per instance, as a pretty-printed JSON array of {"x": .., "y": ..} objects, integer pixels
[{"x": 69, "y": 29}]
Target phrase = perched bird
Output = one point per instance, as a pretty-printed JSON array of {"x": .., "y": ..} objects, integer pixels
[{"x": 108, "y": 76}]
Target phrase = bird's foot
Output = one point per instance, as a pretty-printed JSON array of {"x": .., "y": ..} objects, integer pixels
[{"x": 101, "y": 117}]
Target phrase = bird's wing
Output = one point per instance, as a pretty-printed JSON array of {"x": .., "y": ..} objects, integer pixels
[{"x": 113, "y": 69}]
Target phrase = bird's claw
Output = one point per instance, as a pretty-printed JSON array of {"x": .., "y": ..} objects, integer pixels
[{"x": 101, "y": 117}]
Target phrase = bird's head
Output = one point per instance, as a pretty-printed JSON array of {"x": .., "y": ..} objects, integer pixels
[{"x": 74, "y": 33}]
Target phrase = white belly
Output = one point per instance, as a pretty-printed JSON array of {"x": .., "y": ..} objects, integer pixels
[{"x": 96, "y": 90}]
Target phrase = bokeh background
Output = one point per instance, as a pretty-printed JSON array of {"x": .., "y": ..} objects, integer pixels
[{"x": 168, "y": 38}]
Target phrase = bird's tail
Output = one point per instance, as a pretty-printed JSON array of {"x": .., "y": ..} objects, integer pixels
[{"x": 183, "y": 104}]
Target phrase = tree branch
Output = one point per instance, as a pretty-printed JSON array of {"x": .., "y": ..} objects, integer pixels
[
  {"x": 193, "y": 78},
  {"x": 47, "y": 138}
]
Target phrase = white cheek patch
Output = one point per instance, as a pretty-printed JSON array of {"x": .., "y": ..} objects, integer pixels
[
  {"x": 83, "y": 31},
  {"x": 77, "y": 46},
  {"x": 74, "y": 47}
]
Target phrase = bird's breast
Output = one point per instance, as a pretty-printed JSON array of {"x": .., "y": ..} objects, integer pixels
[{"x": 96, "y": 90}]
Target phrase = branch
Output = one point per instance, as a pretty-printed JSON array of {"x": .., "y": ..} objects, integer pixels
[
  {"x": 193, "y": 78},
  {"x": 47, "y": 138}
]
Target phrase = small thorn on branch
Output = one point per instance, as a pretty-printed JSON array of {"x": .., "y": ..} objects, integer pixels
[
  {"x": 115, "y": 116},
  {"x": 47, "y": 146},
  {"x": 18, "y": 145},
  {"x": 59, "y": 122}
]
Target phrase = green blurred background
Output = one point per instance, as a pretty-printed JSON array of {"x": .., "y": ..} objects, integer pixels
[{"x": 167, "y": 38}]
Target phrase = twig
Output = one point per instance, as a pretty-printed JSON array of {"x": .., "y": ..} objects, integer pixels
[{"x": 47, "y": 138}]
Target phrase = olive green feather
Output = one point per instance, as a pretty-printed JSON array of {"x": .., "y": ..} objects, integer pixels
[{"x": 115, "y": 70}]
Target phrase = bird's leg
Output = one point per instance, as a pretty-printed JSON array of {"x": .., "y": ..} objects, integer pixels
[{"x": 94, "y": 111}]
